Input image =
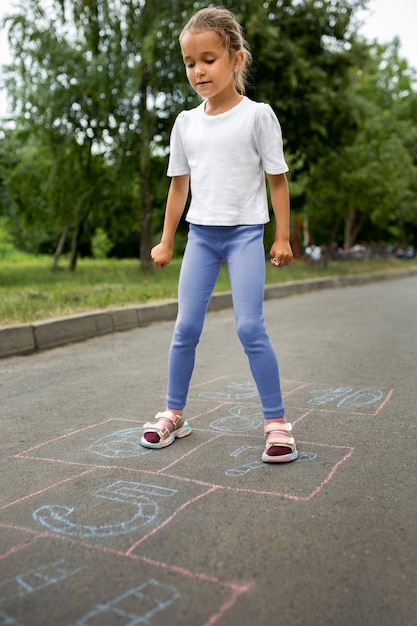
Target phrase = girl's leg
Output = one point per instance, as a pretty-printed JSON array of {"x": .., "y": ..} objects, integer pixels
[
  {"x": 247, "y": 276},
  {"x": 246, "y": 262},
  {"x": 199, "y": 272}
]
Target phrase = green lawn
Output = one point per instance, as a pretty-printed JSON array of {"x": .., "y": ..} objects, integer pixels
[{"x": 30, "y": 291}]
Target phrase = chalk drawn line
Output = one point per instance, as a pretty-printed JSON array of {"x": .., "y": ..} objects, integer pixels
[
  {"x": 343, "y": 397},
  {"x": 235, "y": 589}
]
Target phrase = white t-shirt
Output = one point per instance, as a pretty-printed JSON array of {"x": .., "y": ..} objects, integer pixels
[{"x": 226, "y": 156}]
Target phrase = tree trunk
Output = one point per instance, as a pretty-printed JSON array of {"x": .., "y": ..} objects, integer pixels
[
  {"x": 59, "y": 248},
  {"x": 145, "y": 171},
  {"x": 146, "y": 222},
  {"x": 335, "y": 230},
  {"x": 353, "y": 224},
  {"x": 75, "y": 243},
  {"x": 351, "y": 229},
  {"x": 401, "y": 228}
]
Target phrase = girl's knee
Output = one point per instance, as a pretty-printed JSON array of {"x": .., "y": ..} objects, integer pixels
[
  {"x": 187, "y": 332},
  {"x": 251, "y": 332}
]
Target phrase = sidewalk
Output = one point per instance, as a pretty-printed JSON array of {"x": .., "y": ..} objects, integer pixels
[
  {"x": 96, "y": 530},
  {"x": 29, "y": 338}
]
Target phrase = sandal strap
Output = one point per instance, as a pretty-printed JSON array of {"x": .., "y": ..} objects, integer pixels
[
  {"x": 160, "y": 429},
  {"x": 280, "y": 440},
  {"x": 271, "y": 426},
  {"x": 278, "y": 434},
  {"x": 171, "y": 416}
]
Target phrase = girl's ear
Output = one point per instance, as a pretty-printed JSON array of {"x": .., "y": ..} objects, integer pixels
[{"x": 240, "y": 60}]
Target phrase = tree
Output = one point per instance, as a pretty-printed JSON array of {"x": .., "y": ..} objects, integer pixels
[
  {"x": 303, "y": 53},
  {"x": 93, "y": 78},
  {"x": 99, "y": 82},
  {"x": 28, "y": 164},
  {"x": 370, "y": 180}
]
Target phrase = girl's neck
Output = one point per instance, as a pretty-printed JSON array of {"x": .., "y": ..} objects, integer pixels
[{"x": 222, "y": 103}]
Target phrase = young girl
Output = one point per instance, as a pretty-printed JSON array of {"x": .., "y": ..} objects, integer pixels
[{"x": 222, "y": 148}]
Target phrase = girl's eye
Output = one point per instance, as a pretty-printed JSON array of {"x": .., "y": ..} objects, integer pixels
[{"x": 210, "y": 61}]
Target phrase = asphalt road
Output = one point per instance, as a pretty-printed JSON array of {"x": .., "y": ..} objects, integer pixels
[{"x": 96, "y": 530}]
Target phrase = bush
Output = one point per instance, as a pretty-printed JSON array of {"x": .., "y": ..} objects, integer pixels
[
  {"x": 101, "y": 244},
  {"x": 6, "y": 240}
]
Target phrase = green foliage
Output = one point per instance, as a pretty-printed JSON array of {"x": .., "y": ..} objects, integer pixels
[
  {"x": 6, "y": 240},
  {"x": 366, "y": 187},
  {"x": 303, "y": 53},
  {"x": 95, "y": 87},
  {"x": 96, "y": 83},
  {"x": 100, "y": 244}
]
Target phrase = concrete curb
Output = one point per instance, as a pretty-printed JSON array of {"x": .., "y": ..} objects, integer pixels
[{"x": 30, "y": 338}]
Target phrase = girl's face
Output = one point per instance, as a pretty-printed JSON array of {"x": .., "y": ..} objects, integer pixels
[{"x": 209, "y": 67}]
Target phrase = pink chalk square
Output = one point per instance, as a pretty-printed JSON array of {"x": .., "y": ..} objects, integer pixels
[
  {"x": 114, "y": 443},
  {"x": 44, "y": 588},
  {"x": 108, "y": 443},
  {"x": 112, "y": 508},
  {"x": 236, "y": 418},
  {"x": 340, "y": 398},
  {"x": 238, "y": 466}
]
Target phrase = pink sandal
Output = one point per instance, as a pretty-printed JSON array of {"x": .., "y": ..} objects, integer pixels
[
  {"x": 158, "y": 434},
  {"x": 279, "y": 436}
]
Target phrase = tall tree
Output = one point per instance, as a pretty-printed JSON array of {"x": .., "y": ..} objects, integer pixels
[
  {"x": 97, "y": 78},
  {"x": 370, "y": 180}
]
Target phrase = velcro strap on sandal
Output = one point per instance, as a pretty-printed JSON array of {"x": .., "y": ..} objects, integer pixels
[
  {"x": 162, "y": 431},
  {"x": 169, "y": 415},
  {"x": 157, "y": 427},
  {"x": 278, "y": 434},
  {"x": 279, "y": 439},
  {"x": 271, "y": 426}
]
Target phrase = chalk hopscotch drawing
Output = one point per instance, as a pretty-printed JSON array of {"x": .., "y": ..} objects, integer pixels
[
  {"x": 236, "y": 391},
  {"x": 6, "y": 620},
  {"x": 306, "y": 456},
  {"x": 121, "y": 444},
  {"x": 241, "y": 470},
  {"x": 136, "y": 606},
  {"x": 55, "y": 517},
  {"x": 346, "y": 397},
  {"x": 128, "y": 506},
  {"x": 239, "y": 419},
  {"x": 35, "y": 579}
]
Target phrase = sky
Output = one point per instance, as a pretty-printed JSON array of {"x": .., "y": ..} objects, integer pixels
[
  {"x": 384, "y": 20},
  {"x": 387, "y": 19}
]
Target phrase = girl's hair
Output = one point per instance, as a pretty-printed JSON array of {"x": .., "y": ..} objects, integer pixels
[{"x": 223, "y": 22}]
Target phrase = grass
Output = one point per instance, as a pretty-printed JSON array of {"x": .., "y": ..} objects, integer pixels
[{"x": 30, "y": 291}]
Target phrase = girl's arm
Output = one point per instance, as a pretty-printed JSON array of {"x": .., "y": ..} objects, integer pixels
[
  {"x": 281, "y": 248},
  {"x": 177, "y": 197}
]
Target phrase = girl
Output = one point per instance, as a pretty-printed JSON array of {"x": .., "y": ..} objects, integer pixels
[{"x": 222, "y": 148}]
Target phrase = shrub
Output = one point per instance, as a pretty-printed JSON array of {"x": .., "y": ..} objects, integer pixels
[
  {"x": 6, "y": 240},
  {"x": 101, "y": 244}
]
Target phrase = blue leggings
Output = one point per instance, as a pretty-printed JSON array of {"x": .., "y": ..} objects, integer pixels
[{"x": 241, "y": 247}]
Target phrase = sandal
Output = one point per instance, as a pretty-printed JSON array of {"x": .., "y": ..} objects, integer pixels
[
  {"x": 279, "y": 436},
  {"x": 160, "y": 435}
]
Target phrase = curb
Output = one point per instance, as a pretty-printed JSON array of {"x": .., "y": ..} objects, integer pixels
[{"x": 30, "y": 338}]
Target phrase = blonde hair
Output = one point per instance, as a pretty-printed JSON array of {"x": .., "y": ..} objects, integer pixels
[{"x": 223, "y": 22}]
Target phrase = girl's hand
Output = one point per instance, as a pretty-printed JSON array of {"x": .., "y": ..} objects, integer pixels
[
  {"x": 281, "y": 253},
  {"x": 161, "y": 255}
]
